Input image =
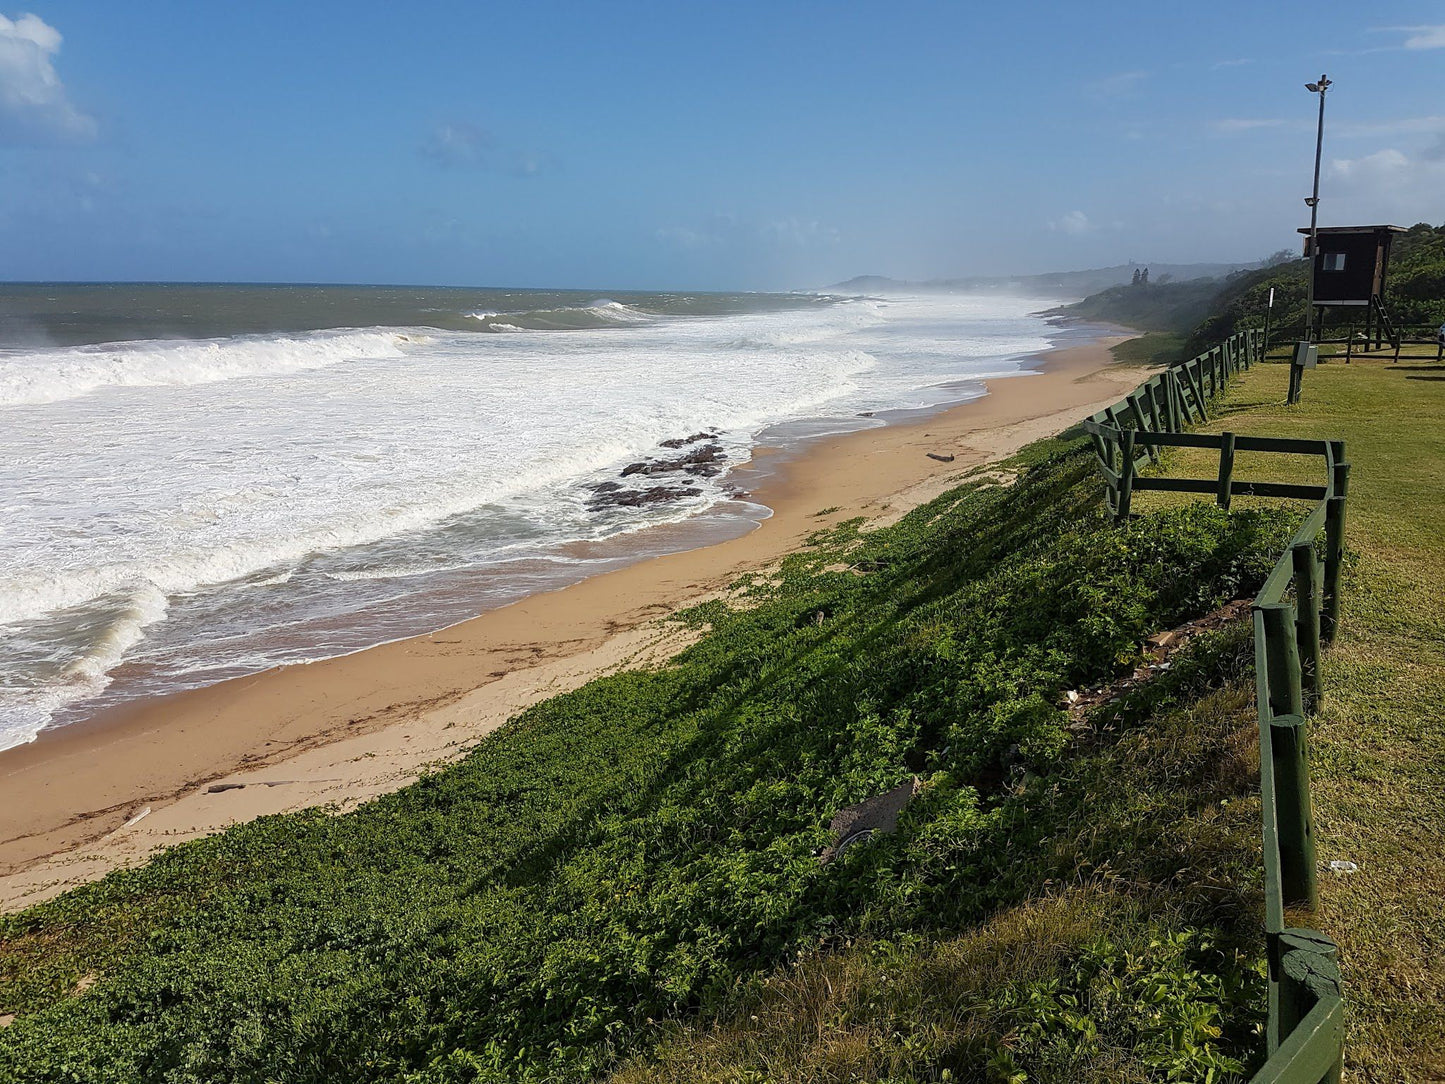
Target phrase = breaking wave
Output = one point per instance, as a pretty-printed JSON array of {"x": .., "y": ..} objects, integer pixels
[
  {"x": 55, "y": 375},
  {"x": 601, "y": 313}
]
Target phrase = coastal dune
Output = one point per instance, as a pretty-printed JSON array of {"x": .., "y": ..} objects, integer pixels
[{"x": 94, "y": 796}]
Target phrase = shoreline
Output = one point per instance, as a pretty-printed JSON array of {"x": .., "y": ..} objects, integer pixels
[{"x": 95, "y": 795}]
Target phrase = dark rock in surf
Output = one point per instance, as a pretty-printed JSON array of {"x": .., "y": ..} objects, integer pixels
[
  {"x": 698, "y": 457},
  {"x": 683, "y": 442},
  {"x": 637, "y": 498}
]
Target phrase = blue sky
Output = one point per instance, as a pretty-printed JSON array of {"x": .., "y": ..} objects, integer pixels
[{"x": 692, "y": 145}]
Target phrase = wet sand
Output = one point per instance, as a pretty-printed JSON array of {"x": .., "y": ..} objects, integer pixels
[{"x": 84, "y": 799}]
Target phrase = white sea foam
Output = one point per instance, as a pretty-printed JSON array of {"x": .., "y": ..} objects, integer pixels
[
  {"x": 25, "y": 711},
  {"x": 256, "y": 463},
  {"x": 53, "y": 375},
  {"x": 385, "y": 572},
  {"x": 615, "y": 310}
]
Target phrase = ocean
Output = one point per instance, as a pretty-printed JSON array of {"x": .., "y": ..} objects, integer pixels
[{"x": 201, "y": 482}]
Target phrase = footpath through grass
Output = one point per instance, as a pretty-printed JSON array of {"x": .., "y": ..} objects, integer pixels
[
  {"x": 1378, "y": 740},
  {"x": 637, "y": 863}
]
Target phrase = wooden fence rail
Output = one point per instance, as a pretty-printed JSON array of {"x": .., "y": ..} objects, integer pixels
[
  {"x": 1295, "y": 615},
  {"x": 1363, "y": 340}
]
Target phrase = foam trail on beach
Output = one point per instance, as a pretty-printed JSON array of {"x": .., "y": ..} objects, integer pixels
[{"x": 178, "y": 511}]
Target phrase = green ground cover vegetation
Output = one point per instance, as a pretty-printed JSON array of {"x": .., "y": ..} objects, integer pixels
[
  {"x": 642, "y": 855},
  {"x": 1016, "y": 989}
]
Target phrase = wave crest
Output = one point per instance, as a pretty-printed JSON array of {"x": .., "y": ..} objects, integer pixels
[
  {"x": 52, "y": 376},
  {"x": 601, "y": 313}
]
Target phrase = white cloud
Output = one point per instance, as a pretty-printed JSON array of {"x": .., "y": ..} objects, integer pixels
[
  {"x": 1424, "y": 37},
  {"x": 1074, "y": 223},
  {"x": 1381, "y": 164},
  {"x": 33, "y": 102},
  {"x": 1388, "y": 184}
]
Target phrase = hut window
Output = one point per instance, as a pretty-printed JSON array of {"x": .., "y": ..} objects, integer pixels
[{"x": 1333, "y": 261}]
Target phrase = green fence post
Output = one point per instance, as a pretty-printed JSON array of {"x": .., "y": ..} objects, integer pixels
[
  {"x": 1286, "y": 696},
  {"x": 1307, "y": 623},
  {"x": 1154, "y": 388},
  {"x": 1126, "y": 474},
  {"x": 1293, "y": 816},
  {"x": 1309, "y": 972},
  {"x": 1226, "y": 469},
  {"x": 1141, "y": 423},
  {"x": 1193, "y": 373},
  {"x": 1334, "y": 551}
]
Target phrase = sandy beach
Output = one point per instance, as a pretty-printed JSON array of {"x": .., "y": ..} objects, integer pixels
[{"x": 85, "y": 799}]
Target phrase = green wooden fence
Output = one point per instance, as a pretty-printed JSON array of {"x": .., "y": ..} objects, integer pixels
[{"x": 1295, "y": 614}]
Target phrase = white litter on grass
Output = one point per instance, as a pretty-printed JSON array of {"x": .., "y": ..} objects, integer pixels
[{"x": 1339, "y": 865}]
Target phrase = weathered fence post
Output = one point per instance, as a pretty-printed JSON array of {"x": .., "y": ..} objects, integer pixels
[
  {"x": 1307, "y": 623},
  {"x": 1141, "y": 423},
  {"x": 1196, "y": 387},
  {"x": 1126, "y": 474},
  {"x": 1309, "y": 971},
  {"x": 1182, "y": 413},
  {"x": 1293, "y": 817},
  {"x": 1334, "y": 549},
  {"x": 1161, "y": 417},
  {"x": 1226, "y": 469},
  {"x": 1286, "y": 695}
]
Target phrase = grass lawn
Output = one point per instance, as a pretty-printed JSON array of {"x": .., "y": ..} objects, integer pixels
[{"x": 1379, "y": 736}]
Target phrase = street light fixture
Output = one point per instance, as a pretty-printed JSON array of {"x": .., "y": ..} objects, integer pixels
[
  {"x": 1314, "y": 203},
  {"x": 1304, "y": 354}
]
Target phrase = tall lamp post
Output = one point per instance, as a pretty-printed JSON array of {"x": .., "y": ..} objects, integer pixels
[
  {"x": 1306, "y": 352},
  {"x": 1314, "y": 202}
]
